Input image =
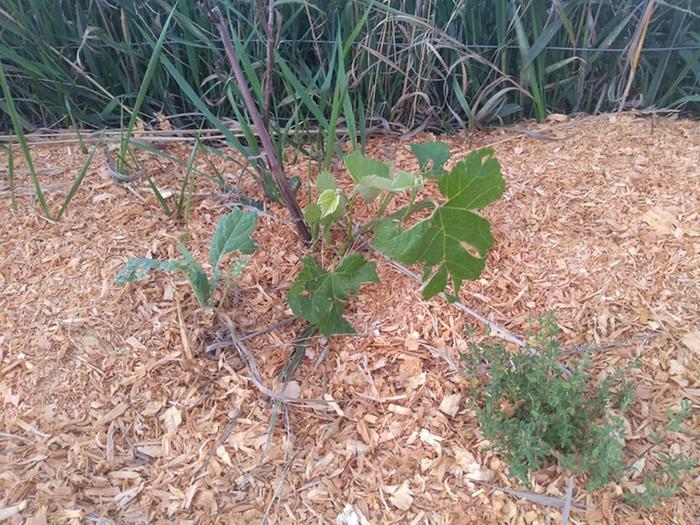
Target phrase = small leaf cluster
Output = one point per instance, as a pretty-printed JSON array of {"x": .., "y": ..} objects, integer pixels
[
  {"x": 535, "y": 414},
  {"x": 232, "y": 234},
  {"x": 665, "y": 483},
  {"x": 319, "y": 296},
  {"x": 668, "y": 479},
  {"x": 451, "y": 243}
]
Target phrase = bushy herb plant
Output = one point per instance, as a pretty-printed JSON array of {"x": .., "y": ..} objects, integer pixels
[{"x": 535, "y": 414}]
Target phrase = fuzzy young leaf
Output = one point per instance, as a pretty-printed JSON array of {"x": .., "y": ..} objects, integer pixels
[
  {"x": 328, "y": 202},
  {"x": 312, "y": 213},
  {"x": 232, "y": 234},
  {"x": 203, "y": 288},
  {"x": 137, "y": 269},
  {"x": 371, "y": 186},
  {"x": 454, "y": 239},
  {"x": 437, "y": 152},
  {"x": 319, "y": 296},
  {"x": 325, "y": 181}
]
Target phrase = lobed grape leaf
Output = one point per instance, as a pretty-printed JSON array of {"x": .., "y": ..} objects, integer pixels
[
  {"x": 360, "y": 166},
  {"x": 436, "y": 152},
  {"x": 319, "y": 296},
  {"x": 454, "y": 239},
  {"x": 371, "y": 176}
]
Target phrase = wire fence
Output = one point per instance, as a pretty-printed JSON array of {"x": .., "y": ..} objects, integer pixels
[{"x": 139, "y": 45}]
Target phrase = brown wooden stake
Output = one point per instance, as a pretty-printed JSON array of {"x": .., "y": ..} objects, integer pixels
[{"x": 290, "y": 200}]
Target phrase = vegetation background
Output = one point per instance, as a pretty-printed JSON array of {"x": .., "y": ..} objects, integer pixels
[{"x": 398, "y": 64}]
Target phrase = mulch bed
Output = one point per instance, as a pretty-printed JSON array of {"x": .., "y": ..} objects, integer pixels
[{"x": 111, "y": 414}]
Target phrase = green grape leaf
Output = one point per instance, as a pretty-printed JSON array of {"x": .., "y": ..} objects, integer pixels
[
  {"x": 436, "y": 152},
  {"x": 328, "y": 202},
  {"x": 360, "y": 166},
  {"x": 232, "y": 234},
  {"x": 336, "y": 215},
  {"x": 371, "y": 186},
  {"x": 312, "y": 213},
  {"x": 396, "y": 243},
  {"x": 312, "y": 217},
  {"x": 454, "y": 239},
  {"x": 319, "y": 296}
]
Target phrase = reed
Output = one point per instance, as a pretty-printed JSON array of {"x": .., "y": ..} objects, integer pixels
[{"x": 402, "y": 64}]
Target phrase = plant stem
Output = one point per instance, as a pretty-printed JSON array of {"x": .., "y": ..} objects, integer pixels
[{"x": 290, "y": 200}]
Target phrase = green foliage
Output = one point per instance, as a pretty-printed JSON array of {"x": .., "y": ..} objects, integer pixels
[
  {"x": 232, "y": 234},
  {"x": 17, "y": 125},
  {"x": 440, "y": 240},
  {"x": 665, "y": 483},
  {"x": 319, "y": 296},
  {"x": 143, "y": 89},
  {"x": 70, "y": 58},
  {"x": 431, "y": 156},
  {"x": 535, "y": 414}
]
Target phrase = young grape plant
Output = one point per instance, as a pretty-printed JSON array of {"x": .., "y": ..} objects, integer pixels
[{"x": 451, "y": 243}]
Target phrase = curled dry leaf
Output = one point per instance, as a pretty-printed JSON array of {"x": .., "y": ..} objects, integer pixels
[
  {"x": 351, "y": 516},
  {"x": 172, "y": 419},
  {"x": 692, "y": 341}
]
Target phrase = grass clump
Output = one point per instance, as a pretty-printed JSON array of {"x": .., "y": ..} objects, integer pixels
[{"x": 535, "y": 413}]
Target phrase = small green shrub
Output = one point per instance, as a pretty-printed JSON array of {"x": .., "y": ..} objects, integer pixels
[
  {"x": 232, "y": 234},
  {"x": 535, "y": 414}
]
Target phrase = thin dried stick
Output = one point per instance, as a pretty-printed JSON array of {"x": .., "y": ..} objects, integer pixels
[
  {"x": 610, "y": 344},
  {"x": 272, "y": 327},
  {"x": 440, "y": 354},
  {"x": 288, "y": 196},
  {"x": 255, "y": 373},
  {"x": 505, "y": 334},
  {"x": 222, "y": 438},
  {"x": 538, "y": 499},
  {"x": 568, "y": 502},
  {"x": 269, "y": 61}
]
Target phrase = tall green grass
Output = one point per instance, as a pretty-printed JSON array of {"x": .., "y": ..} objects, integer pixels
[{"x": 401, "y": 64}]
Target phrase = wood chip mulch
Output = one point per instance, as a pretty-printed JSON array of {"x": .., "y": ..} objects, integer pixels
[{"x": 109, "y": 412}]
